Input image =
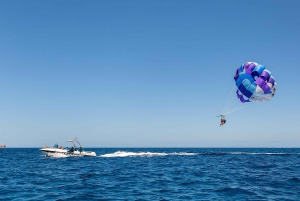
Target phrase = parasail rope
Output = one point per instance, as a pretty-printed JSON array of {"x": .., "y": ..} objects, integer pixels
[
  {"x": 230, "y": 97},
  {"x": 234, "y": 105},
  {"x": 235, "y": 109}
]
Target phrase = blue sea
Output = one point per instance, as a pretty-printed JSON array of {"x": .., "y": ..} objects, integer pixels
[{"x": 152, "y": 174}]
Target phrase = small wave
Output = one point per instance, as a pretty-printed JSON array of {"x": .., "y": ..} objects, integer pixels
[
  {"x": 145, "y": 154},
  {"x": 294, "y": 180}
]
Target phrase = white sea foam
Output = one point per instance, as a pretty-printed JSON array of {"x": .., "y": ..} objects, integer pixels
[
  {"x": 145, "y": 154},
  {"x": 57, "y": 155}
]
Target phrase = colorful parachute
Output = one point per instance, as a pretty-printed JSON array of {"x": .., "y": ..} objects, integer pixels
[{"x": 254, "y": 83}]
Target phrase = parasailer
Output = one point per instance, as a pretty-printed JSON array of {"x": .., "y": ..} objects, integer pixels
[
  {"x": 223, "y": 121},
  {"x": 254, "y": 83}
]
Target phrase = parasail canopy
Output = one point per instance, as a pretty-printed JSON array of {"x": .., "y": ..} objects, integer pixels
[{"x": 254, "y": 83}]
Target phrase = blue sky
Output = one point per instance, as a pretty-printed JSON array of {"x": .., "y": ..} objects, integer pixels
[{"x": 145, "y": 73}]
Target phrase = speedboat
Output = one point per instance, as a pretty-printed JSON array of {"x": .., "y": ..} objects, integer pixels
[
  {"x": 2, "y": 145},
  {"x": 65, "y": 152}
]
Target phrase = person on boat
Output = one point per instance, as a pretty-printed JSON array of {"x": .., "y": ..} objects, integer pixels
[
  {"x": 55, "y": 146},
  {"x": 72, "y": 149},
  {"x": 223, "y": 121}
]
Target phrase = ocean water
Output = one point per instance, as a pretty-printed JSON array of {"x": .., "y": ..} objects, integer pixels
[{"x": 152, "y": 174}]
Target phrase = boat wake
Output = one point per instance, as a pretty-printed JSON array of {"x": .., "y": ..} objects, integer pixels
[
  {"x": 145, "y": 154},
  {"x": 152, "y": 154}
]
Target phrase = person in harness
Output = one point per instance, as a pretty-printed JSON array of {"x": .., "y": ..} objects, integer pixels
[{"x": 223, "y": 121}]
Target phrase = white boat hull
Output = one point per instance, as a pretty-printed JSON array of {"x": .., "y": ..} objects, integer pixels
[{"x": 53, "y": 152}]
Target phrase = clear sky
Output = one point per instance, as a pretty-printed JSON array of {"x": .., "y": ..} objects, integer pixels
[{"x": 148, "y": 73}]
